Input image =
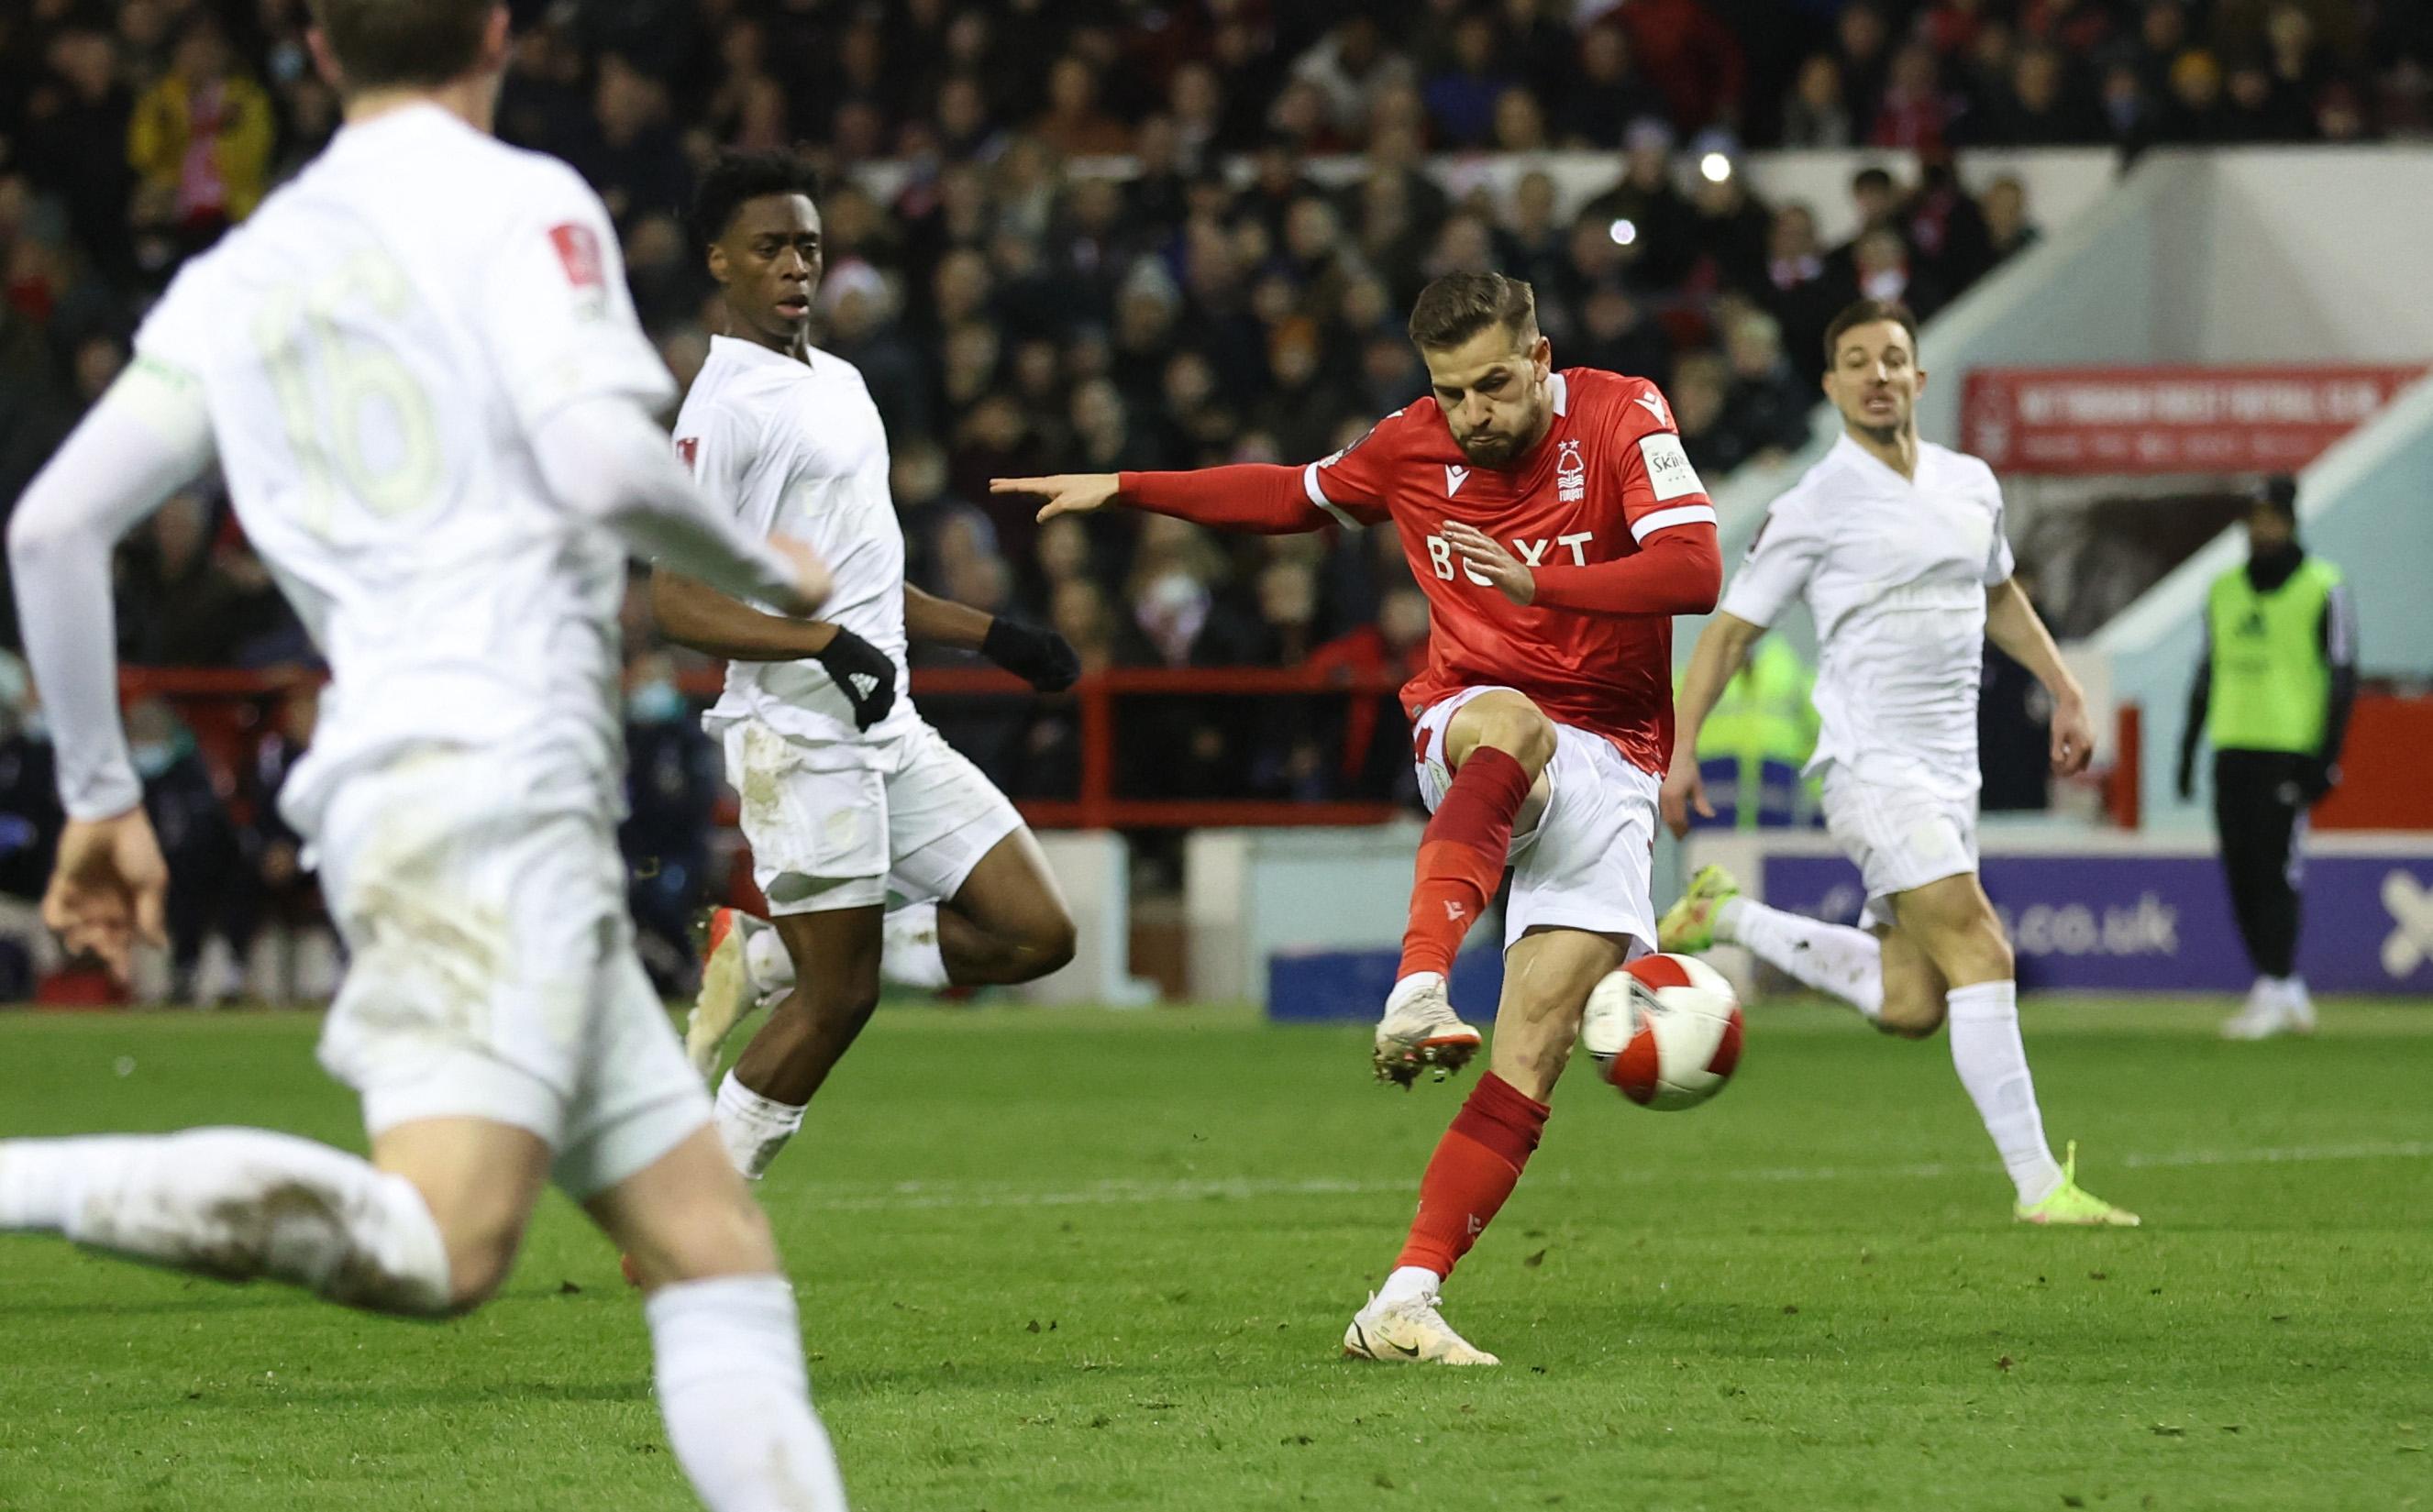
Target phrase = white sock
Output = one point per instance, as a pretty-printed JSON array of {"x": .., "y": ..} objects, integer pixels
[
  {"x": 1409, "y": 1283},
  {"x": 729, "y": 1365},
  {"x": 913, "y": 956},
  {"x": 765, "y": 961},
  {"x": 1993, "y": 1066},
  {"x": 753, "y": 1128},
  {"x": 238, "y": 1203},
  {"x": 1831, "y": 957}
]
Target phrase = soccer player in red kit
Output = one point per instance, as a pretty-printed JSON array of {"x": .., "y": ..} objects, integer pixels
[{"x": 1557, "y": 527}]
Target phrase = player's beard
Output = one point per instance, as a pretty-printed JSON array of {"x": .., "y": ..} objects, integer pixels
[{"x": 1499, "y": 448}]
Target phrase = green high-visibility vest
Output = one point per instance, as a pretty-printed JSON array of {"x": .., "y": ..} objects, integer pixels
[
  {"x": 2272, "y": 688},
  {"x": 1765, "y": 713}
]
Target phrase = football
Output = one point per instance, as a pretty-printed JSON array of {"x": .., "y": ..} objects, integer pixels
[{"x": 1665, "y": 1031}]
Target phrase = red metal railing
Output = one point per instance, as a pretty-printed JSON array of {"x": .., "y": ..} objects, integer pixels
[{"x": 1095, "y": 700}]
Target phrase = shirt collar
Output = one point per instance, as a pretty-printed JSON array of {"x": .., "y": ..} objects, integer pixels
[{"x": 738, "y": 349}]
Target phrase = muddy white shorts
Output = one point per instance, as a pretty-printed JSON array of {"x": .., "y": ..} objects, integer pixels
[
  {"x": 842, "y": 823},
  {"x": 1584, "y": 864},
  {"x": 1902, "y": 833},
  {"x": 492, "y": 971}
]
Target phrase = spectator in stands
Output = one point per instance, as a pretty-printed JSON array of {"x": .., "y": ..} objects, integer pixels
[
  {"x": 1701, "y": 385},
  {"x": 1605, "y": 94},
  {"x": 210, "y": 896},
  {"x": 2008, "y": 229},
  {"x": 1461, "y": 96},
  {"x": 1348, "y": 66},
  {"x": 2045, "y": 107},
  {"x": 30, "y": 821},
  {"x": 1650, "y": 219},
  {"x": 75, "y": 127},
  {"x": 2194, "y": 116},
  {"x": 200, "y": 140},
  {"x": 1694, "y": 59},
  {"x": 291, "y": 925},
  {"x": 1074, "y": 124},
  {"x": 1862, "y": 57},
  {"x": 671, "y": 783},
  {"x": 1767, "y": 403},
  {"x": 1918, "y": 112},
  {"x": 1797, "y": 291},
  {"x": 628, "y": 148},
  {"x": 1881, "y": 262},
  {"x": 1816, "y": 114},
  {"x": 1727, "y": 227}
]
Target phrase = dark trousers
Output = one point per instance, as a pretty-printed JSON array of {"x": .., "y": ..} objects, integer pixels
[{"x": 2259, "y": 809}]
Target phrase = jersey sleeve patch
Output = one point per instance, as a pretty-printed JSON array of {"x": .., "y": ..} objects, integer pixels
[
  {"x": 1668, "y": 472},
  {"x": 689, "y": 452},
  {"x": 578, "y": 252}
]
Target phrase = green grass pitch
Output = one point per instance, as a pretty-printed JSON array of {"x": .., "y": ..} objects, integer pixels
[{"x": 1070, "y": 1260}]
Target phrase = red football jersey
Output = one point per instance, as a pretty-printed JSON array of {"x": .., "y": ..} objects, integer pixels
[{"x": 1609, "y": 474}]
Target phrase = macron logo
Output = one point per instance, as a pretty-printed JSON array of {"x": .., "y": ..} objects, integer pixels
[
  {"x": 1454, "y": 477},
  {"x": 1653, "y": 403}
]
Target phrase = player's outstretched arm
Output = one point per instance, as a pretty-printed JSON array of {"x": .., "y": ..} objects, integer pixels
[
  {"x": 149, "y": 434},
  {"x": 1036, "y": 655},
  {"x": 606, "y": 458},
  {"x": 1721, "y": 650},
  {"x": 2012, "y": 623},
  {"x": 1254, "y": 496},
  {"x": 696, "y": 616}
]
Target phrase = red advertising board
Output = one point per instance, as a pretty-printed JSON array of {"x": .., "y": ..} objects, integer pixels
[{"x": 2168, "y": 420}]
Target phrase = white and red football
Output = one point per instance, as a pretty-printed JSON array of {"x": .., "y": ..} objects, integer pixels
[{"x": 1665, "y": 1031}]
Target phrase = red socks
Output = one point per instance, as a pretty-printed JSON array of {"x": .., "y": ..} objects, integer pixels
[
  {"x": 1474, "y": 1168},
  {"x": 1461, "y": 857}
]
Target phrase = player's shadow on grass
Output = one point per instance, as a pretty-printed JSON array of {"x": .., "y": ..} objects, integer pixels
[{"x": 518, "y": 1395}]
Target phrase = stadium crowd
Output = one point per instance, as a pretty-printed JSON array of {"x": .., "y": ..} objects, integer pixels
[{"x": 1018, "y": 305}]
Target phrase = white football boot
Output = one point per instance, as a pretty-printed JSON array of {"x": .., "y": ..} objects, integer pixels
[
  {"x": 1410, "y": 1332},
  {"x": 1419, "y": 1030},
  {"x": 727, "y": 993},
  {"x": 2300, "y": 1016},
  {"x": 2266, "y": 1013}
]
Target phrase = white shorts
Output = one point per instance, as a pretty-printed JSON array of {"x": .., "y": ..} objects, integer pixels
[
  {"x": 1902, "y": 835},
  {"x": 1584, "y": 865},
  {"x": 839, "y": 825},
  {"x": 493, "y": 973}
]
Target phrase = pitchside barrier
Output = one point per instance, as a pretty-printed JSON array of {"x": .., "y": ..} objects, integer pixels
[{"x": 2112, "y": 913}]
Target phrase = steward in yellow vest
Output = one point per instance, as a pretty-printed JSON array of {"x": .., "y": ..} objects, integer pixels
[{"x": 2273, "y": 693}]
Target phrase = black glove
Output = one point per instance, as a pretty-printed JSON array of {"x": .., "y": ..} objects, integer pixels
[
  {"x": 864, "y": 674},
  {"x": 1039, "y": 656}
]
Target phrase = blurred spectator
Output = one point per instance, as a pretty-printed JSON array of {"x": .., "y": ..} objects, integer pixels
[
  {"x": 671, "y": 783},
  {"x": 1917, "y": 112},
  {"x": 1692, "y": 56},
  {"x": 2044, "y": 106},
  {"x": 1074, "y": 125},
  {"x": 2194, "y": 116},
  {"x": 1348, "y": 66},
  {"x": 292, "y": 933},
  {"x": 2008, "y": 229},
  {"x": 211, "y": 896},
  {"x": 76, "y": 127},
  {"x": 628, "y": 148},
  {"x": 1768, "y": 404},
  {"x": 1862, "y": 55},
  {"x": 184, "y": 603},
  {"x": 1608, "y": 93},
  {"x": 201, "y": 138},
  {"x": 1461, "y": 97},
  {"x": 1816, "y": 114},
  {"x": 1701, "y": 389},
  {"x": 30, "y": 821},
  {"x": 1645, "y": 213}
]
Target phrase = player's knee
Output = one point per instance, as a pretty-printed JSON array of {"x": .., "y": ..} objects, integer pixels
[
  {"x": 1524, "y": 734},
  {"x": 1049, "y": 944},
  {"x": 1910, "y": 1020},
  {"x": 480, "y": 1254}
]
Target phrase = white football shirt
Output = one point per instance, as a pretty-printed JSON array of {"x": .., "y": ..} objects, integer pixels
[
  {"x": 1894, "y": 573},
  {"x": 797, "y": 449},
  {"x": 375, "y": 345}
]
